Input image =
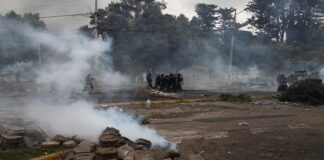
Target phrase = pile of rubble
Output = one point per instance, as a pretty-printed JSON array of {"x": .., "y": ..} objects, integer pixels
[
  {"x": 112, "y": 146},
  {"x": 15, "y": 136}
]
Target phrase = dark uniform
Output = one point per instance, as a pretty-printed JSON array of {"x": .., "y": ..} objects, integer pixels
[
  {"x": 157, "y": 82},
  {"x": 88, "y": 83},
  {"x": 179, "y": 82},
  {"x": 149, "y": 80}
]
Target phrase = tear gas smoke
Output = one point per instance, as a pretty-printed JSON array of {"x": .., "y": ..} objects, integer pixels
[
  {"x": 63, "y": 73},
  {"x": 80, "y": 118}
]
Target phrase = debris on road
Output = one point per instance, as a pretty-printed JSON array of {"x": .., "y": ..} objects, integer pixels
[{"x": 243, "y": 124}]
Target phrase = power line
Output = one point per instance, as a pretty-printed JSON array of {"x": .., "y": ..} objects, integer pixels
[
  {"x": 241, "y": 12},
  {"x": 66, "y": 15}
]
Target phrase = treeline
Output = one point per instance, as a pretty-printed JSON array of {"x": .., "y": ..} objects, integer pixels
[
  {"x": 14, "y": 46},
  {"x": 288, "y": 35}
]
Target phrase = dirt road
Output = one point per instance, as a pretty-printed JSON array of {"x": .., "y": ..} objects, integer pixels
[{"x": 263, "y": 130}]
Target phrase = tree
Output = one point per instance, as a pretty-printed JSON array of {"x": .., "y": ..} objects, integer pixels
[
  {"x": 277, "y": 18},
  {"x": 34, "y": 20},
  {"x": 207, "y": 14},
  {"x": 14, "y": 46}
]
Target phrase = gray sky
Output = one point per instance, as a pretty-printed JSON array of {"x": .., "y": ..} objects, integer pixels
[{"x": 61, "y": 7}]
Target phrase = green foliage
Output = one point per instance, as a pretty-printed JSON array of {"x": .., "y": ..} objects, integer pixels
[
  {"x": 309, "y": 91},
  {"x": 25, "y": 153},
  {"x": 235, "y": 98},
  {"x": 277, "y": 18},
  {"x": 29, "y": 18},
  {"x": 207, "y": 14},
  {"x": 14, "y": 46}
]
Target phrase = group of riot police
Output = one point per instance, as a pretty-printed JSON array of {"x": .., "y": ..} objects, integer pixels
[{"x": 166, "y": 83}]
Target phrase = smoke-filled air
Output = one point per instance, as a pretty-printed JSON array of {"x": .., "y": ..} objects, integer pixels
[
  {"x": 161, "y": 79},
  {"x": 72, "y": 58}
]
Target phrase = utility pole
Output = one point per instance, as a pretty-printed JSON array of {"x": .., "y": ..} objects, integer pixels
[
  {"x": 39, "y": 55},
  {"x": 232, "y": 49},
  {"x": 96, "y": 34}
]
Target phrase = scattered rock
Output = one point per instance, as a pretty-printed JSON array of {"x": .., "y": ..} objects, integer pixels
[
  {"x": 124, "y": 150},
  {"x": 69, "y": 144},
  {"x": 109, "y": 130},
  {"x": 37, "y": 135},
  {"x": 243, "y": 124},
  {"x": 11, "y": 141},
  {"x": 106, "y": 153},
  {"x": 50, "y": 144},
  {"x": 77, "y": 139},
  {"x": 144, "y": 142},
  {"x": 143, "y": 155},
  {"x": 14, "y": 130},
  {"x": 112, "y": 147},
  {"x": 59, "y": 138},
  {"x": 110, "y": 137}
]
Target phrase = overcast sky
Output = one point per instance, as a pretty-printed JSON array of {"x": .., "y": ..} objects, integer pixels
[{"x": 61, "y": 7}]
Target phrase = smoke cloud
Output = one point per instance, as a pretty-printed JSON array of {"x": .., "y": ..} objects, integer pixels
[
  {"x": 80, "y": 118},
  {"x": 71, "y": 57}
]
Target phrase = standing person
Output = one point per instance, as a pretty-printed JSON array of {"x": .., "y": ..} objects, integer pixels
[
  {"x": 179, "y": 82},
  {"x": 162, "y": 82},
  {"x": 157, "y": 82},
  {"x": 88, "y": 83},
  {"x": 149, "y": 80}
]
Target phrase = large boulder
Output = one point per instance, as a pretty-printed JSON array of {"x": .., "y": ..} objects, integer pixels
[
  {"x": 59, "y": 138},
  {"x": 110, "y": 130},
  {"x": 110, "y": 137},
  {"x": 11, "y": 141},
  {"x": 124, "y": 150},
  {"x": 143, "y": 142},
  {"x": 109, "y": 153},
  {"x": 69, "y": 144}
]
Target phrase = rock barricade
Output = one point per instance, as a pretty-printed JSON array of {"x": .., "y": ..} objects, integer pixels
[{"x": 112, "y": 146}]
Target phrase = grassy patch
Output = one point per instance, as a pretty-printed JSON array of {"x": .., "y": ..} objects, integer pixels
[
  {"x": 25, "y": 153},
  {"x": 235, "y": 98}
]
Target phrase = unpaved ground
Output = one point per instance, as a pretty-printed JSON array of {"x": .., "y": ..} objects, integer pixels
[{"x": 211, "y": 131}]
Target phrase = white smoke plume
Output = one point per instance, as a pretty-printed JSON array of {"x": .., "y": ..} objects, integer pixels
[
  {"x": 82, "y": 119},
  {"x": 63, "y": 74}
]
